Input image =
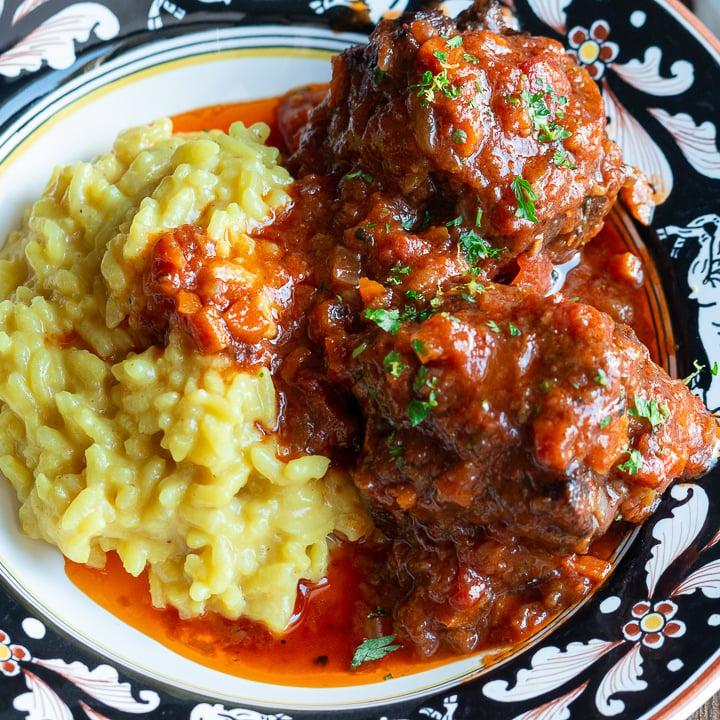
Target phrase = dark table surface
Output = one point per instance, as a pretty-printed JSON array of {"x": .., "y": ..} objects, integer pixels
[{"x": 709, "y": 711}]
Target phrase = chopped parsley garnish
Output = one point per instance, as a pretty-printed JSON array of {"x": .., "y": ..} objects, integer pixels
[
  {"x": 361, "y": 348},
  {"x": 601, "y": 378},
  {"x": 470, "y": 58},
  {"x": 553, "y": 132},
  {"x": 367, "y": 177},
  {"x": 387, "y": 320},
  {"x": 633, "y": 463},
  {"x": 407, "y": 225},
  {"x": 395, "y": 272},
  {"x": 413, "y": 295},
  {"x": 546, "y": 385},
  {"x": 458, "y": 136},
  {"x": 541, "y": 117},
  {"x": 418, "y": 410},
  {"x": 432, "y": 83},
  {"x": 393, "y": 363},
  {"x": 514, "y": 330},
  {"x": 420, "y": 377},
  {"x": 455, "y": 222},
  {"x": 475, "y": 288},
  {"x": 436, "y": 300},
  {"x": 420, "y": 348},
  {"x": 525, "y": 197},
  {"x": 396, "y": 451},
  {"x": 373, "y": 649},
  {"x": 560, "y": 158},
  {"x": 605, "y": 422},
  {"x": 714, "y": 369},
  {"x": 494, "y": 327},
  {"x": 455, "y": 42},
  {"x": 698, "y": 369},
  {"x": 477, "y": 248},
  {"x": 650, "y": 410}
]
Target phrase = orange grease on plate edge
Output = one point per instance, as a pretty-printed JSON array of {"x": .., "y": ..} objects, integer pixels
[
  {"x": 318, "y": 648},
  {"x": 316, "y": 652}
]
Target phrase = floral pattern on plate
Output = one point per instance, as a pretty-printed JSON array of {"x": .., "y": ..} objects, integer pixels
[{"x": 653, "y": 628}]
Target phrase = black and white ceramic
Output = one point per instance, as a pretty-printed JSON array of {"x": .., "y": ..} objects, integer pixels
[{"x": 647, "y": 643}]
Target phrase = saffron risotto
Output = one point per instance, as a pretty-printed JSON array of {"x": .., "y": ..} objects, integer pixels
[{"x": 159, "y": 453}]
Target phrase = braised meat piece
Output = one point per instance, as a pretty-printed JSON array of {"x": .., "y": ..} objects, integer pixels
[
  {"x": 521, "y": 416},
  {"x": 506, "y": 434},
  {"x": 499, "y": 128},
  {"x": 482, "y": 592}
]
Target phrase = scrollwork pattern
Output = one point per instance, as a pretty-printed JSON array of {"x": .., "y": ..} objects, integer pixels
[{"x": 553, "y": 679}]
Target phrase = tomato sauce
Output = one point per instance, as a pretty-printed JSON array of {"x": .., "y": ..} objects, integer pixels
[
  {"x": 333, "y": 617},
  {"x": 316, "y": 651}
]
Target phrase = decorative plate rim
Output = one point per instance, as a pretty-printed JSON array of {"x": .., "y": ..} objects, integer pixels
[{"x": 443, "y": 704}]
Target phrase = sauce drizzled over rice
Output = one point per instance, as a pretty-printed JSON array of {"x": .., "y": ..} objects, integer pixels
[{"x": 161, "y": 454}]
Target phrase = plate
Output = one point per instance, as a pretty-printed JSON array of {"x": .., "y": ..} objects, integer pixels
[{"x": 647, "y": 643}]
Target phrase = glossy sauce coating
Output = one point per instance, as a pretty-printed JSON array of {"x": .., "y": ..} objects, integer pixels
[{"x": 336, "y": 616}]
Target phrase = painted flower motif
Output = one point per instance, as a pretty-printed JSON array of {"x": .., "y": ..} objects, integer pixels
[
  {"x": 652, "y": 623},
  {"x": 10, "y": 655},
  {"x": 592, "y": 47}
]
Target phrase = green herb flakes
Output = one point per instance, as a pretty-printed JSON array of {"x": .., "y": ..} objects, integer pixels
[
  {"x": 650, "y": 410},
  {"x": 372, "y": 649},
  {"x": 420, "y": 348},
  {"x": 417, "y": 411},
  {"x": 560, "y": 158},
  {"x": 367, "y": 177},
  {"x": 387, "y": 320},
  {"x": 432, "y": 83},
  {"x": 601, "y": 378},
  {"x": 395, "y": 272},
  {"x": 525, "y": 197},
  {"x": 477, "y": 248},
  {"x": 546, "y": 385},
  {"x": 458, "y": 136},
  {"x": 633, "y": 463},
  {"x": 393, "y": 364},
  {"x": 359, "y": 350}
]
